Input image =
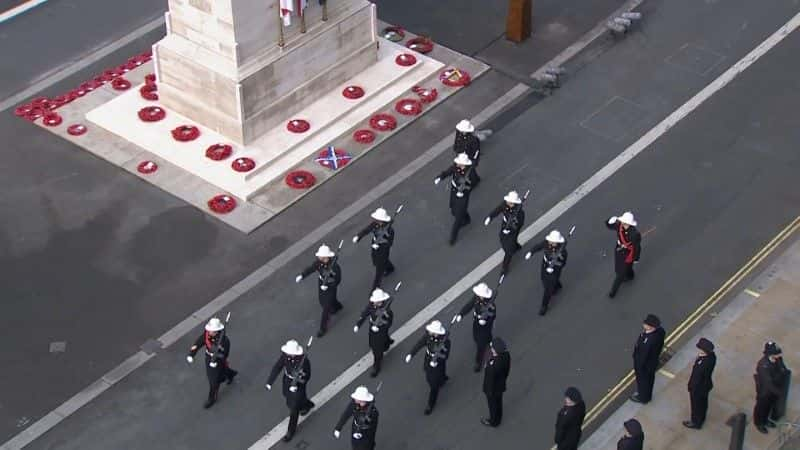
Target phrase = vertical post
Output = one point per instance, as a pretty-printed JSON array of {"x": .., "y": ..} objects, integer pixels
[
  {"x": 281, "y": 41},
  {"x": 518, "y": 22},
  {"x": 737, "y": 422},
  {"x": 324, "y": 10},
  {"x": 302, "y": 21}
]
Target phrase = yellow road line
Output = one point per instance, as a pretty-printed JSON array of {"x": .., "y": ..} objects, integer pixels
[
  {"x": 752, "y": 293},
  {"x": 726, "y": 287},
  {"x": 667, "y": 373}
]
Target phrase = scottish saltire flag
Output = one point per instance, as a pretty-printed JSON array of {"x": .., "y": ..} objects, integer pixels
[{"x": 333, "y": 159}]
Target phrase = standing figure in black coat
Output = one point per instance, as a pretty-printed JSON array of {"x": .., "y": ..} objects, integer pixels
[
  {"x": 633, "y": 438},
  {"x": 468, "y": 142},
  {"x": 296, "y": 374},
  {"x": 627, "y": 251},
  {"x": 365, "y": 420},
  {"x": 554, "y": 259},
  {"x": 570, "y": 420},
  {"x": 513, "y": 221},
  {"x": 483, "y": 312},
  {"x": 700, "y": 383},
  {"x": 646, "y": 355},
  {"x": 380, "y": 316},
  {"x": 382, "y": 240},
  {"x": 437, "y": 350},
  {"x": 330, "y": 275},
  {"x": 494, "y": 381},
  {"x": 461, "y": 184},
  {"x": 217, "y": 347},
  {"x": 770, "y": 377}
]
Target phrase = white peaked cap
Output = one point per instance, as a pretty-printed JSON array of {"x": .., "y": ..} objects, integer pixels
[
  {"x": 378, "y": 295},
  {"x": 463, "y": 160},
  {"x": 362, "y": 394},
  {"x": 555, "y": 237},
  {"x": 214, "y": 325},
  {"x": 465, "y": 126},
  {"x": 436, "y": 327},
  {"x": 627, "y": 218},
  {"x": 325, "y": 252},
  {"x": 482, "y": 290},
  {"x": 513, "y": 197},
  {"x": 380, "y": 214},
  {"x": 292, "y": 348}
]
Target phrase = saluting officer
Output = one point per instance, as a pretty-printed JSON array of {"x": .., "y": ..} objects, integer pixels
[
  {"x": 646, "y": 356},
  {"x": 365, "y": 419},
  {"x": 770, "y": 376},
  {"x": 569, "y": 422},
  {"x": 513, "y": 220},
  {"x": 437, "y": 350},
  {"x": 461, "y": 184},
  {"x": 217, "y": 347},
  {"x": 330, "y": 275},
  {"x": 296, "y": 374},
  {"x": 700, "y": 383},
  {"x": 467, "y": 141},
  {"x": 628, "y": 248},
  {"x": 380, "y": 316},
  {"x": 554, "y": 259},
  {"x": 382, "y": 240},
  {"x": 483, "y": 312}
]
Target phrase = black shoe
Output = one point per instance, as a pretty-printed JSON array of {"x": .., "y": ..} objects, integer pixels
[
  {"x": 612, "y": 294},
  {"x": 209, "y": 403},
  {"x": 468, "y": 221},
  {"x": 338, "y": 308},
  {"x": 309, "y": 406},
  {"x": 636, "y": 399},
  {"x": 771, "y": 424},
  {"x": 487, "y": 422},
  {"x": 288, "y": 437},
  {"x": 477, "y": 368},
  {"x": 762, "y": 429},
  {"x": 690, "y": 424},
  {"x": 428, "y": 410},
  {"x": 320, "y": 333},
  {"x": 232, "y": 376},
  {"x": 452, "y": 242},
  {"x": 446, "y": 379},
  {"x": 375, "y": 372},
  {"x": 388, "y": 272},
  {"x": 543, "y": 310}
]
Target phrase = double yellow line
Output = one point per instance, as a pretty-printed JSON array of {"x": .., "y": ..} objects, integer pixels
[{"x": 678, "y": 332}]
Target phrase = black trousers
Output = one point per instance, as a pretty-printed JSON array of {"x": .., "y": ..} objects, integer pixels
[
  {"x": 383, "y": 267},
  {"x": 495, "y": 402},
  {"x": 551, "y": 286},
  {"x": 645, "y": 380},
  {"x": 462, "y": 218},
  {"x": 508, "y": 252},
  {"x": 699, "y": 404},
  {"x": 294, "y": 413},
  {"x": 328, "y": 309},
  {"x": 624, "y": 275},
  {"x": 480, "y": 352},
  {"x": 764, "y": 405},
  {"x": 433, "y": 395}
]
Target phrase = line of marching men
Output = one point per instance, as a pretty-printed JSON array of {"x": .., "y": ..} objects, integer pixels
[{"x": 491, "y": 352}]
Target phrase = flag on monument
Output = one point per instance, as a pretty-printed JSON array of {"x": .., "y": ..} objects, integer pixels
[{"x": 287, "y": 8}]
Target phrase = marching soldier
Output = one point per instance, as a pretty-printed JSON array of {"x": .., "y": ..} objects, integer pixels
[
  {"x": 700, "y": 383},
  {"x": 296, "y": 375},
  {"x": 554, "y": 259},
  {"x": 437, "y": 350},
  {"x": 633, "y": 438},
  {"x": 483, "y": 312},
  {"x": 646, "y": 356},
  {"x": 494, "y": 381},
  {"x": 513, "y": 220},
  {"x": 569, "y": 422},
  {"x": 382, "y": 240},
  {"x": 461, "y": 183},
  {"x": 770, "y": 377},
  {"x": 468, "y": 142},
  {"x": 380, "y": 316},
  {"x": 217, "y": 347},
  {"x": 330, "y": 275},
  {"x": 365, "y": 420},
  {"x": 628, "y": 248}
]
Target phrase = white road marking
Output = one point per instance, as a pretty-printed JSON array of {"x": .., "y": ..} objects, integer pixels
[
  {"x": 19, "y": 9},
  {"x": 473, "y": 277}
]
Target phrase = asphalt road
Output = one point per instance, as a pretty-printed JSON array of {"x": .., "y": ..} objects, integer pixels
[
  {"x": 709, "y": 193},
  {"x": 99, "y": 261}
]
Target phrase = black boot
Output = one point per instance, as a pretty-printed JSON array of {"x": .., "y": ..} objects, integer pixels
[
  {"x": 231, "y": 375},
  {"x": 212, "y": 398},
  {"x": 543, "y": 310}
]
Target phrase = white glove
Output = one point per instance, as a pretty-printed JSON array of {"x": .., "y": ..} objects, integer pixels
[
  {"x": 549, "y": 270},
  {"x": 212, "y": 364},
  {"x": 434, "y": 363},
  {"x": 506, "y": 231},
  {"x": 292, "y": 388},
  {"x": 357, "y": 435},
  {"x": 408, "y": 359},
  {"x": 486, "y": 221},
  {"x": 268, "y": 386},
  {"x": 375, "y": 246},
  {"x": 298, "y": 278},
  {"x": 456, "y": 318},
  {"x": 189, "y": 359},
  {"x": 324, "y": 287},
  {"x": 481, "y": 322},
  {"x": 436, "y": 180},
  {"x": 612, "y": 220},
  {"x": 375, "y": 329},
  {"x": 459, "y": 194},
  {"x": 355, "y": 239},
  {"x": 336, "y": 434},
  {"x": 528, "y": 255},
  {"x": 355, "y": 329}
]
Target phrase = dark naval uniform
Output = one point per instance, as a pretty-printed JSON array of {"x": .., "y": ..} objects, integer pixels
[
  {"x": 329, "y": 277},
  {"x": 437, "y": 350},
  {"x": 364, "y": 425},
  {"x": 461, "y": 184},
  {"x": 494, "y": 381},
  {"x": 382, "y": 240},
  {"x": 646, "y": 355},
  {"x": 626, "y": 252},
  {"x": 217, "y": 368},
  {"x": 554, "y": 259},
  {"x": 296, "y": 375},
  {"x": 513, "y": 221},
  {"x": 380, "y": 320},
  {"x": 469, "y": 144},
  {"x": 483, "y": 315}
]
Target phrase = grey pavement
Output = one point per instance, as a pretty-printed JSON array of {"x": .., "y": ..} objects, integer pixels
[
  {"x": 96, "y": 260},
  {"x": 719, "y": 177}
]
